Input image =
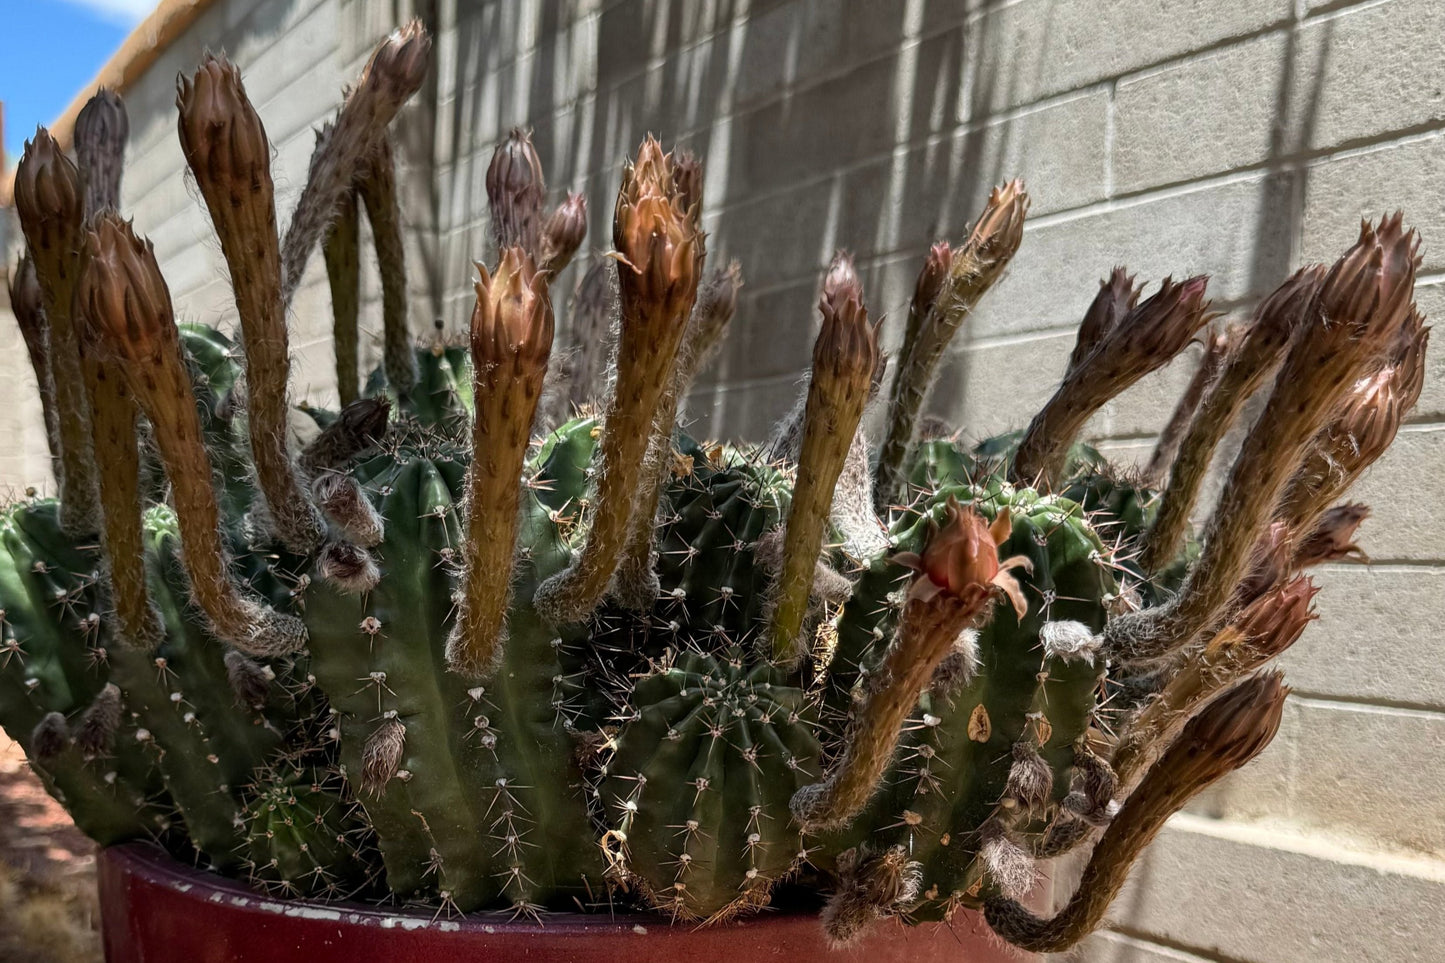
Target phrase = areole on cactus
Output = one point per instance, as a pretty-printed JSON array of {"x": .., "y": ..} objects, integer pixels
[{"x": 480, "y": 647}]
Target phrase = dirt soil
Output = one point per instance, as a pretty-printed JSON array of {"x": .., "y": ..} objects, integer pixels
[{"x": 47, "y": 873}]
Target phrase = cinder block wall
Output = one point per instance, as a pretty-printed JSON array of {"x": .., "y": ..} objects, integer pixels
[{"x": 1238, "y": 138}]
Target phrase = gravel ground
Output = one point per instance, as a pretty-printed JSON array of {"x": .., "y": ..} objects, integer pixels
[{"x": 47, "y": 873}]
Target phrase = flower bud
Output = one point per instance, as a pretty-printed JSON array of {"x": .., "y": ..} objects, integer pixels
[
  {"x": 1275, "y": 621},
  {"x": 101, "y": 129},
  {"x": 515, "y": 189},
  {"x": 512, "y": 321},
  {"x": 1163, "y": 324},
  {"x": 687, "y": 180},
  {"x": 1227, "y": 733},
  {"x": 48, "y": 197},
  {"x": 1118, "y": 294},
  {"x": 563, "y": 233},
  {"x": 931, "y": 278},
  {"x": 1366, "y": 296},
  {"x": 999, "y": 230},
  {"x": 221, "y": 134},
  {"x": 399, "y": 64},
  {"x": 961, "y": 561},
  {"x": 847, "y": 345},
  {"x": 1333, "y": 537},
  {"x": 657, "y": 240},
  {"x": 121, "y": 294}
]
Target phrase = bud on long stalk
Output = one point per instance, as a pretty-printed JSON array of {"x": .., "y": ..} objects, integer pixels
[
  {"x": 128, "y": 307},
  {"x": 511, "y": 342},
  {"x": 47, "y": 198},
  {"x": 844, "y": 357},
  {"x": 1143, "y": 340},
  {"x": 227, "y": 150},
  {"x": 101, "y": 128},
  {"x": 1358, "y": 314},
  {"x": 342, "y": 250},
  {"x": 28, "y": 304},
  {"x": 395, "y": 71},
  {"x": 1251, "y": 360},
  {"x": 563, "y": 234},
  {"x": 1228, "y": 733},
  {"x": 1264, "y": 629},
  {"x": 971, "y": 271},
  {"x": 659, "y": 250},
  {"x": 377, "y": 187},
  {"x": 635, "y": 585},
  {"x": 959, "y": 576}
]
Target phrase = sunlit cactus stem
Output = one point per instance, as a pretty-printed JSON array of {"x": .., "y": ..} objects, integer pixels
[
  {"x": 342, "y": 251},
  {"x": 28, "y": 305},
  {"x": 101, "y": 129},
  {"x": 225, "y": 145},
  {"x": 511, "y": 341},
  {"x": 959, "y": 577},
  {"x": 1355, "y": 317},
  {"x": 1224, "y": 736},
  {"x": 844, "y": 356},
  {"x": 940, "y": 309},
  {"x": 1141, "y": 341},
  {"x": 48, "y": 200},
  {"x": 659, "y": 250},
  {"x": 129, "y": 308},
  {"x": 1246, "y": 365},
  {"x": 377, "y": 186},
  {"x": 394, "y": 73}
]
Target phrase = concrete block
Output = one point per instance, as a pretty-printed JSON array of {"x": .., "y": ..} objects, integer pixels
[
  {"x": 1406, "y": 492},
  {"x": 1378, "y": 636},
  {"x": 1224, "y": 890},
  {"x": 1430, "y": 298},
  {"x": 1217, "y": 112}
]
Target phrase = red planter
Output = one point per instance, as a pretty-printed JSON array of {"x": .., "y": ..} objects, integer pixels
[{"x": 154, "y": 910}]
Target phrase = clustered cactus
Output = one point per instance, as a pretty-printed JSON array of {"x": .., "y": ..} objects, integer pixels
[{"x": 500, "y": 635}]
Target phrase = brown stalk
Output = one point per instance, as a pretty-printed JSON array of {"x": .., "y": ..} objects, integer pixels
[
  {"x": 342, "y": 251},
  {"x": 28, "y": 304},
  {"x": 377, "y": 187},
  {"x": 1216, "y": 348}
]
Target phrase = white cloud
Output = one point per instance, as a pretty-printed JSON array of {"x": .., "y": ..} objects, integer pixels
[{"x": 126, "y": 13}]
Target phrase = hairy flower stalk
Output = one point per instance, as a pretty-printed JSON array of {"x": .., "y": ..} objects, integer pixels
[
  {"x": 101, "y": 128},
  {"x": 593, "y": 311},
  {"x": 342, "y": 251},
  {"x": 970, "y": 271},
  {"x": 1358, "y": 313},
  {"x": 511, "y": 342},
  {"x": 394, "y": 73},
  {"x": 28, "y": 305},
  {"x": 1360, "y": 432},
  {"x": 226, "y": 148},
  {"x": 515, "y": 192},
  {"x": 1216, "y": 349},
  {"x": 377, "y": 187},
  {"x": 844, "y": 357},
  {"x": 48, "y": 200},
  {"x": 129, "y": 308},
  {"x": 1228, "y": 733},
  {"x": 1253, "y": 357},
  {"x": 635, "y": 584},
  {"x": 659, "y": 251},
  {"x": 1263, "y": 630},
  {"x": 1143, "y": 340},
  {"x": 959, "y": 577}
]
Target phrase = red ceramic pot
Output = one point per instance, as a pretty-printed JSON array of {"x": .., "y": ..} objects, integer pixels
[{"x": 155, "y": 910}]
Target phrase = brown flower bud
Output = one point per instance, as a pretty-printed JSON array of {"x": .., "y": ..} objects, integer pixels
[
  {"x": 1367, "y": 292},
  {"x": 48, "y": 197},
  {"x": 657, "y": 240},
  {"x": 999, "y": 229},
  {"x": 101, "y": 129},
  {"x": 399, "y": 64},
  {"x": 29, "y": 307},
  {"x": 1275, "y": 621},
  {"x": 1333, "y": 537},
  {"x": 847, "y": 345},
  {"x": 1228, "y": 732},
  {"x": 1163, "y": 324},
  {"x": 563, "y": 233},
  {"x": 512, "y": 321},
  {"x": 221, "y": 134},
  {"x": 122, "y": 296},
  {"x": 515, "y": 189},
  {"x": 1269, "y": 563},
  {"x": 931, "y": 278},
  {"x": 1118, "y": 294}
]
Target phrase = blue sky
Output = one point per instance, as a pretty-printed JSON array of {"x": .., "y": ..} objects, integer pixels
[{"x": 49, "y": 49}]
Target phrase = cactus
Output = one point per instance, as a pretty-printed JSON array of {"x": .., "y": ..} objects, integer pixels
[{"x": 465, "y": 650}]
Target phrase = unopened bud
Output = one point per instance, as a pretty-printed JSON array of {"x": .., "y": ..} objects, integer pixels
[
  {"x": 1118, "y": 294},
  {"x": 1275, "y": 621},
  {"x": 656, "y": 238},
  {"x": 997, "y": 233},
  {"x": 563, "y": 233},
  {"x": 687, "y": 179},
  {"x": 399, "y": 64},
  {"x": 847, "y": 345},
  {"x": 221, "y": 134},
  {"x": 512, "y": 322},
  {"x": 1333, "y": 537},
  {"x": 1164, "y": 323},
  {"x": 1366, "y": 296},
  {"x": 515, "y": 190},
  {"x": 47, "y": 197},
  {"x": 931, "y": 278},
  {"x": 123, "y": 298}
]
